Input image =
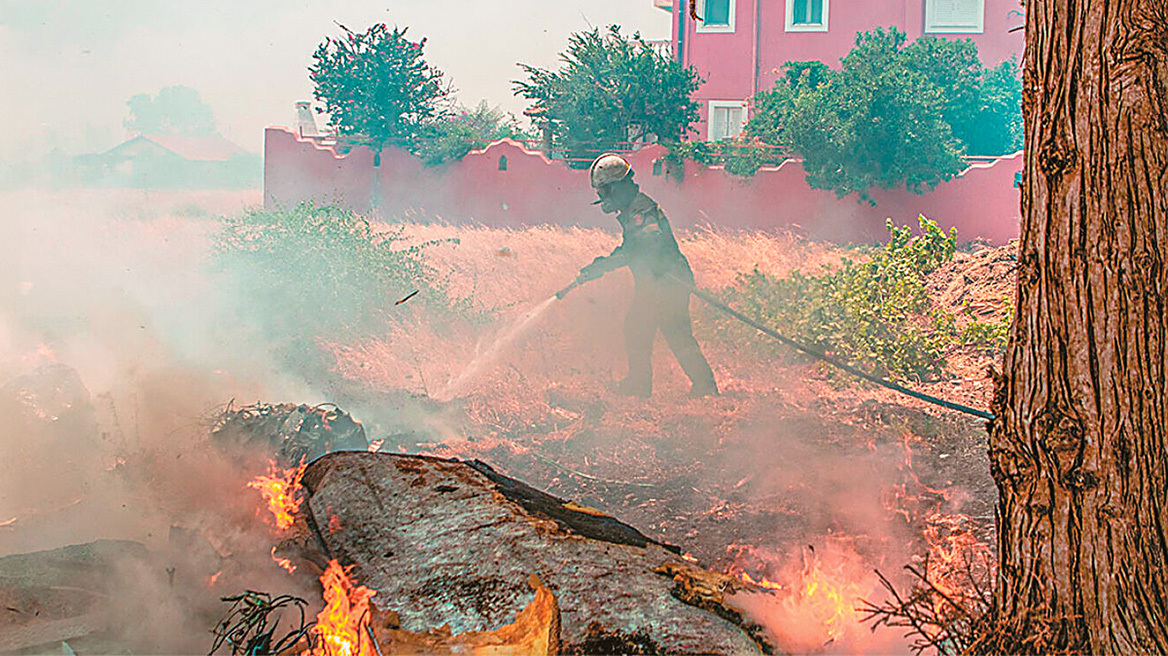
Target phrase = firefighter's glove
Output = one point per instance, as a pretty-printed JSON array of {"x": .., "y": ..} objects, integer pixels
[{"x": 592, "y": 271}]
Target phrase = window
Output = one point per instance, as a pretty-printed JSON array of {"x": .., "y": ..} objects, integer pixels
[
  {"x": 727, "y": 118},
  {"x": 806, "y": 15},
  {"x": 717, "y": 16},
  {"x": 955, "y": 16}
]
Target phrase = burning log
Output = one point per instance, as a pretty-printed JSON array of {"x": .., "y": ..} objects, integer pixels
[
  {"x": 444, "y": 543},
  {"x": 294, "y": 433}
]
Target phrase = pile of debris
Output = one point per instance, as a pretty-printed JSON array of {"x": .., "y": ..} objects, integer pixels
[{"x": 295, "y": 433}]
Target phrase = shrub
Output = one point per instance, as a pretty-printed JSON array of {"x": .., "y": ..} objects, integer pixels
[
  {"x": 308, "y": 272},
  {"x": 989, "y": 335},
  {"x": 451, "y": 138},
  {"x": 738, "y": 157},
  {"x": 875, "y": 314}
]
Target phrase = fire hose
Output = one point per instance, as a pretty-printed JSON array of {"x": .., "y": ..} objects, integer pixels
[{"x": 816, "y": 353}]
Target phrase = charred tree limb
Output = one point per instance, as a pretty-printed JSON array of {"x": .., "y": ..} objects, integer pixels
[{"x": 450, "y": 543}]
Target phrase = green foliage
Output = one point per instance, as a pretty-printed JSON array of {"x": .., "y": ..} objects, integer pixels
[
  {"x": 309, "y": 272},
  {"x": 982, "y": 106},
  {"x": 875, "y": 313},
  {"x": 990, "y": 335},
  {"x": 176, "y": 110},
  {"x": 997, "y": 128},
  {"x": 893, "y": 114},
  {"x": 610, "y": 89},
  {"x": 451, "y": 138},
  {"x": 377, "y": 85},
  {"x": 739, "y": 157}
]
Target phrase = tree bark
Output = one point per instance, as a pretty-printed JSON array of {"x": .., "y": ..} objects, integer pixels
[{"x": 1079, "y": 447}]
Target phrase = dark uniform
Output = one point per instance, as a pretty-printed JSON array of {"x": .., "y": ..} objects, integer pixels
[{"x": 661, "y": 302}]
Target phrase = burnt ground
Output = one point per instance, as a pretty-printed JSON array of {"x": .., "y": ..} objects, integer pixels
[{"x": 789, "y": 455}]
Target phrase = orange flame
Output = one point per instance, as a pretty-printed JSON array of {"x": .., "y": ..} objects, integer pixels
[
  {"x": 283, "y": 562},
  {"x": 280, "y": 491},
  {"x": 829, "y": 597},
  {"x": 343, "y": 624},
  {"x": 813, "y": 602},
  {"x": 43, "y": 354},
  {"x": 957, "y": 560},
  {"x": 763, "y": 582}
]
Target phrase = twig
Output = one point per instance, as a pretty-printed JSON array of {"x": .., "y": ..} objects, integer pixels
[
  {"x": 606, "y": 481},
  {"x": 246, "y": 627}
]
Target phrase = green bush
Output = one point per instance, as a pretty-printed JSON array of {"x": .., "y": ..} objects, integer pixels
[
  {"x": 875, "y": 314},
  {"x": 308, "y": 272},
  {"x": 451, "y": 138},
  {"x": 894, "y": 113},
  {"x": 738, "y": 157},
  {"x": 989, "y": 335}
]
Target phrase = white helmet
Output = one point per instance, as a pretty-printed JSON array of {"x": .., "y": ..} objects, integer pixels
[{"x": 609, "y": 168}]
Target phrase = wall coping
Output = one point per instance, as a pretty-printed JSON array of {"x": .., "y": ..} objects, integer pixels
[{"x": 978, "y": 163}]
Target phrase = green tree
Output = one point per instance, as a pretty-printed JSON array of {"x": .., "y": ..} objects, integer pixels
[
  {"x": 378, "y": 86},
  {"x": 892, "y": 114},
  {"x": 997, "y": 128},
  {"x": 176, "y": 110},
  {"x": 610, "y": 89},
  {"x": 465, "y": 129},
  {"x": 982, "y": 106}
]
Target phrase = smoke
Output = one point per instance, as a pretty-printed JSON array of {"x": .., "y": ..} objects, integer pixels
[
  {"x": 73, "y": 64},
  {"x": 117, "y": 347},
  {"x": 117, "y": 350}
]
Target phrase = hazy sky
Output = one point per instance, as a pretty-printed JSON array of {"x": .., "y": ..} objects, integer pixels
[{"x": 70, "y": 65}]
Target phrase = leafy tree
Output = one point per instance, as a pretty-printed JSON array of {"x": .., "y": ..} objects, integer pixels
[
  {"x": 983, "y": 106},
  {"x": 893, "y": 114},
  {"x": 378, "y": 86},
  {"x": 176, "y": 110},
  {"x": 464, "y": 130},
  {"x": 997, "y": 128},
  {"x": 610, "y": 89}
]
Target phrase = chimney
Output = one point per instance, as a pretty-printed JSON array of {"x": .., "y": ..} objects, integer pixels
[{"x": 305, "y": 120}]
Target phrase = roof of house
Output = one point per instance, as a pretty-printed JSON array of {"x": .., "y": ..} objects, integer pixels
[{"x": 206, "y": 148}]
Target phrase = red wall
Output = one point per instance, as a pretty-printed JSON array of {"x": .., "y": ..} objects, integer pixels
[
  {"x": 728, "y": 64},
  {"x": 981, "y": 203}
]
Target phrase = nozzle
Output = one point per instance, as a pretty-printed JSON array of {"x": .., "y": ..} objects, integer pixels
[{"x": 564, "y": 292}]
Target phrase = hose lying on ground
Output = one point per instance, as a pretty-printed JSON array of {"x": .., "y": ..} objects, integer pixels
[{"x": 815, "y": 353}]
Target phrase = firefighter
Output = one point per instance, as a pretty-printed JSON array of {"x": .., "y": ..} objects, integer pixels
[{"x": 661, "y": 275}]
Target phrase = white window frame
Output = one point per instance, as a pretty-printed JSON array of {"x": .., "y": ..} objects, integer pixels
[
  {"x": 931, "y": 26},
  {"x": 805, "y": 27},
  {"x": 702, "y": 28},
  {"x": 724, "y": 104}
]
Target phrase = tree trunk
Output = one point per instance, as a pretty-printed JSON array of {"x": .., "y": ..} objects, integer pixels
[{"x": 1080, "y": 445}]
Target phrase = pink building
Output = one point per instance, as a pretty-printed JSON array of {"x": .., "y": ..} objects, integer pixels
[{"x": 739, "y": 46}]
